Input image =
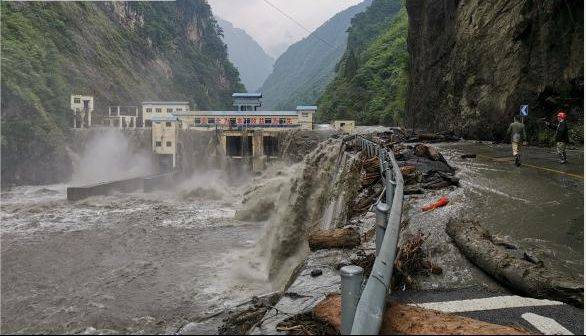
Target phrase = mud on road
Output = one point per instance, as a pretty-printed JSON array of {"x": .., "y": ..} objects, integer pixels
[{"x": 131, "y": 263}]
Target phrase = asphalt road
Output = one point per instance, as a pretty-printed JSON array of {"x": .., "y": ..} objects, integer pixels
[
  {"x": 540, "y": 204},
  {"x": 460, "y": 300}
]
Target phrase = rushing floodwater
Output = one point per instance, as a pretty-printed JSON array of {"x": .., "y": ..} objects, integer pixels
[{"x": 136, "y": 263}]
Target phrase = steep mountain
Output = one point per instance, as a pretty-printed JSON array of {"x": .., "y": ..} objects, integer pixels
[
  {"x": 304, "y": 70},
  {"x": 252, "y": 62},
  {"x": 473, "y": 63},
  {"x": 371, "y": 78},
  {"x": 122, "y": 53}
]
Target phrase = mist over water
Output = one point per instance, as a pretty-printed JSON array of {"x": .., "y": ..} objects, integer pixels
[{"x": 108, "y": 156}]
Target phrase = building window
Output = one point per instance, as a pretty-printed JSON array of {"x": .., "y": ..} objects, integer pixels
[
  {"x": 158, "y": 110},
  {"x": 77, "y": 100},
  {"x": 179, "y": 109},
  {"x": 268, "y": 121},
  {"x": 197, "y": 121},
  {"x": 282, "y": 121},
  {"x": 168, "y": 124},
  {"x": 158, "y": 143},
  {"x": 246, "y": 121},
  {"x": 149, "y": 109},
  {"x": 148, "y": 123},
  {"x": 168, "y": 143},
  {"x": 169, "y": 110},
  {"x": 211, "y": 120},
  {"x": 305, "y": 114}
]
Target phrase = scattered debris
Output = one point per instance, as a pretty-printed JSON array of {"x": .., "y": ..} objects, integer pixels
[
  {"x": 468, "y": 156},
  {"x": 532, "y": 279},
  {"x": 306, "y": 324},
  {"x": 438, "y": 204},
  {"x": 412, "y": 260},
  {"x": 240, "y": 321}
]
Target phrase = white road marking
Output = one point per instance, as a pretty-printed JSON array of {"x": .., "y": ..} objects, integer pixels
[
  {"x": 491, "y": 303},
  {"x": 546, "y": 325}
]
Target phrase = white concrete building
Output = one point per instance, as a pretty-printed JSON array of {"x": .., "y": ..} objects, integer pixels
[
  {"x": 123, "y": 117},
  {"x": 305, "y": 116},
  {"x": 161, "y": 109},
  {"x": 82, "y": 108},
  {"x": 346, "y": 126},
  {"x": 164, "y": 136}
]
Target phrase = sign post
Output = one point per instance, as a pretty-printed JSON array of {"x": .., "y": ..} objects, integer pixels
[{"x": 524, "y": 112}]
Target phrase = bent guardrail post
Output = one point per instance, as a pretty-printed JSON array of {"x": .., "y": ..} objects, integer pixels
[{"x": 351, "y": 290}]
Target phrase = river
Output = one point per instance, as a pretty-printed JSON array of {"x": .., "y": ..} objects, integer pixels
[{"x": 132, "y": 263}]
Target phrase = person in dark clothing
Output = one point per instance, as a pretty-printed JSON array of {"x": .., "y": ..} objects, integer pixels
[{"x": 562, "y": 137}]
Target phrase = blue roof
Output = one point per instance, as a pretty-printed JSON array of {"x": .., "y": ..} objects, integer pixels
[
  {"x": 165, "y": 103},
  {"x": 311, "y": 107},
  {"x": 166, "y": 118},
  {"x": 247, "y": 95},
  {"x": 237, "y": 113}
]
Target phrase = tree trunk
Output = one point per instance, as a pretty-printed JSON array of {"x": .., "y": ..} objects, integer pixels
[
  {"x": 534, "y": 280},
  {"x": 337, "y": 238}
]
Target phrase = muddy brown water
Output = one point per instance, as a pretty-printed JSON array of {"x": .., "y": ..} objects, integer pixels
[
  {"x": 540, "y": 204},
  {"x": 137, "y": 263}
]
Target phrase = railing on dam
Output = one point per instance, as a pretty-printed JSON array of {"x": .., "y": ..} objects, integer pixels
[{"x": 368, "y": 314}]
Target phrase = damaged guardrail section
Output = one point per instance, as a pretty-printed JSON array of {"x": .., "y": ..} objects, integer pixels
[{"x": 371, "y": 305}]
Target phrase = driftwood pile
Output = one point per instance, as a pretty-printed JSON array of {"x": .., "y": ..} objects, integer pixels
[
  {"x": 398, "y": 134},
  {"x": 370, "y": 182},
  {"x": 522, "y": 274},
  {"x": 412, "y": 260}
]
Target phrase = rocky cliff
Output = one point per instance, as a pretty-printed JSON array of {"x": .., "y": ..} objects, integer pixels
[
  {"x": 122, "y": 53},
  {"x": 473, "y": 63}
]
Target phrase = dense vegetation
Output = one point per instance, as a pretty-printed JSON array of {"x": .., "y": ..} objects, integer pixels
[
  {"x": 371, "y": 79},
  {"x": 252, "y": 62},
  {"x": 122, "y": 53},
  {"x": 301, "y": 74}
]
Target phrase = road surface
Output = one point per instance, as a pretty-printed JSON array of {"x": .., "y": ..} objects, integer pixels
[{"x": 540, "y": 204}]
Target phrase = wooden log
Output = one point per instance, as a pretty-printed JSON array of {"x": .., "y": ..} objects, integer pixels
[
  {"x": 534, "y": 280},
  {"x": 400, "y": 319},
  {"x": 347, "y": 237}
]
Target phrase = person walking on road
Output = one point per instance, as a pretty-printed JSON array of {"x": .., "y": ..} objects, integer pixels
[
  {"x": 561, "y": 136},
  {"x": 517, "y": 132}
]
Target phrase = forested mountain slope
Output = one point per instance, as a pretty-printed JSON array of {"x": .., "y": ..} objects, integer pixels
[
  {"x": 371, "y": 78},
  {"x": 304, "y": 70},
  {"x": 120, "y": 52}
]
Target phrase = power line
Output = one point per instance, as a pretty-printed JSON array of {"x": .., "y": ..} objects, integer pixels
[{"x": 297, "y": 23}]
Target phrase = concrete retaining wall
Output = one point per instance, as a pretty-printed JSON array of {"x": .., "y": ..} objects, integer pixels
[
  {"x": 104, "y": 188},
  {"x": 145, "y": 184}
]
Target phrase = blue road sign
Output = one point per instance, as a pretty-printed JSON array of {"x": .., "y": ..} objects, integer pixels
[{"x": 524, "y": 110}]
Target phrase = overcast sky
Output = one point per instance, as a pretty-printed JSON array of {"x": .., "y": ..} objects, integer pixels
[{"x": 273, "y": 31}]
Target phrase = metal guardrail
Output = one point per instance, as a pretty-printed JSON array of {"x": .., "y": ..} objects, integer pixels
[{"x": 368, "y": 314}]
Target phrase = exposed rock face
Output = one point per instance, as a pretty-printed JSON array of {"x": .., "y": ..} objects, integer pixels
[{"x": 473, "y": 63}]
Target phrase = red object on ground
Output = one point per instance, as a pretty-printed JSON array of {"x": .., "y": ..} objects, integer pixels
[
  {"x": 440, "y": 203},
  {"x": 562, "y": 115}
]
